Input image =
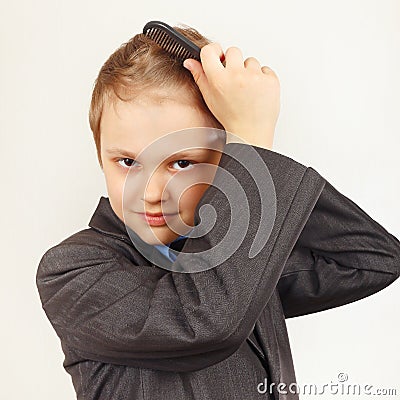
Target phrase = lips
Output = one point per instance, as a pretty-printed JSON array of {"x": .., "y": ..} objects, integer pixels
[
  {"x": 156, "y": 219},
  {"x": 160, "y": 214}
]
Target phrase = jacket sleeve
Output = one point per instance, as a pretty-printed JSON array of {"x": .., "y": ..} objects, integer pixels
[
  {"x": 107, "y": 309},
  {"x": 342, "y": 255}
]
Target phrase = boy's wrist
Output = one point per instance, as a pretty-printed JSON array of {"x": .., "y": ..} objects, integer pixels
[{"x": 263, "y": 138}]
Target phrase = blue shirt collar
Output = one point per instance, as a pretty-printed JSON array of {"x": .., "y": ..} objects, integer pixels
[{"x": 164, "y": 248}]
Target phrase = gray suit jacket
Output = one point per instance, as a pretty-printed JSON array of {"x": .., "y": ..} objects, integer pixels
[{"x": 132, "y": 330}]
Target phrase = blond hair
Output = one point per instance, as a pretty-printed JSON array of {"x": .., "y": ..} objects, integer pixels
[{"x": 140, "y": 67}]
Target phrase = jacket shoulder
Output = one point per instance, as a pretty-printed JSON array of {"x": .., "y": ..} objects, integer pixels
[
  {"x": 88, "y": 237},
  {"x": 85, "y": 246}
]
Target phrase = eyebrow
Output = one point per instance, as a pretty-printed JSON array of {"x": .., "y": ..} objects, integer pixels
[
  {"x": 183, "y": 153},
  {"x": 115, "y": 151}
]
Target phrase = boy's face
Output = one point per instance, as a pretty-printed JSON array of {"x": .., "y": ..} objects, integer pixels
[{"x": 138, "y": 142}]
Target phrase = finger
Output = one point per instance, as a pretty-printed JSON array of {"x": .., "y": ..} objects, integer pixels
[
  {"x": 252, "y": 63},
  {"x": 273, "y": 76},
  {"x": 234, "y": 58},
  {"x": 219, "y": 50},
  {"x": 267, "y": 70},
  {"x": 197, "y": 71},
  {"x": 211, "y": 55}
]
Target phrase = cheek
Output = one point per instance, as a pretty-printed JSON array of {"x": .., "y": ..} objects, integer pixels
[
  {"x": 191, "y": 197},
  {"x": 115, "y": 182}
]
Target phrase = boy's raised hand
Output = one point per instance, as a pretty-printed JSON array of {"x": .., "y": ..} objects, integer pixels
[{"x": 243, "y": 96}]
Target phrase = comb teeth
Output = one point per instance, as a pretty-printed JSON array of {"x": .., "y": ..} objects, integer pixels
[
  {"x": 169, "y": 44},
  {"x": 171, "y": 41}
]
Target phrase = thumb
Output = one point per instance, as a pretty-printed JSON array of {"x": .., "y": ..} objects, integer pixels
[{"x": 197, "y": 71}]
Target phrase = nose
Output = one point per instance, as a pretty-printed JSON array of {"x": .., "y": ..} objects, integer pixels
[{"x": 154, "y": 187}]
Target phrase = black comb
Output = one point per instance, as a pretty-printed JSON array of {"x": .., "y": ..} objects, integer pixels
[{"x": 171, "y": 41}]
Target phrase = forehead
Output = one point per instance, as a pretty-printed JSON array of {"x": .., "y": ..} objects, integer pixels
[{"x": 164, "y": 124}]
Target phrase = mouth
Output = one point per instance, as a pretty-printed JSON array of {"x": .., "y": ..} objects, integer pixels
[
  {"x": 156, "y": 219},
  {"x": 159, "y": 214}
]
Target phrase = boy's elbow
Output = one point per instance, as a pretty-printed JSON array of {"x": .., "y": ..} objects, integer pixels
[
  {"x": 396, "y": 267},
  {"x": 383, "y": 255},
  {"x": 43, "y": 274},
  {"x": 394, "y": 260}
]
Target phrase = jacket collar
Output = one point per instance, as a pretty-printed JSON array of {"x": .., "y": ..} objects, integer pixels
[{"x": 106, "y": 221}]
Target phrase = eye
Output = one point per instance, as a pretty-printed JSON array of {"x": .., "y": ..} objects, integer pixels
[
  {"x": 126, "y": 162},
  {"x": 183, "y": 164}
]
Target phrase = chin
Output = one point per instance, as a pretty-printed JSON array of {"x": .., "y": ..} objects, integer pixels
[{"x": 156, "y": 238}]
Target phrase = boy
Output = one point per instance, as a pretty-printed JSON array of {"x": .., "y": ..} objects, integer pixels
[{"x": 132, "y": 330}]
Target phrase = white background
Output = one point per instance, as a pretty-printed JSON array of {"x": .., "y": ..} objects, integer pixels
[{"x": 338, "y": 63}]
